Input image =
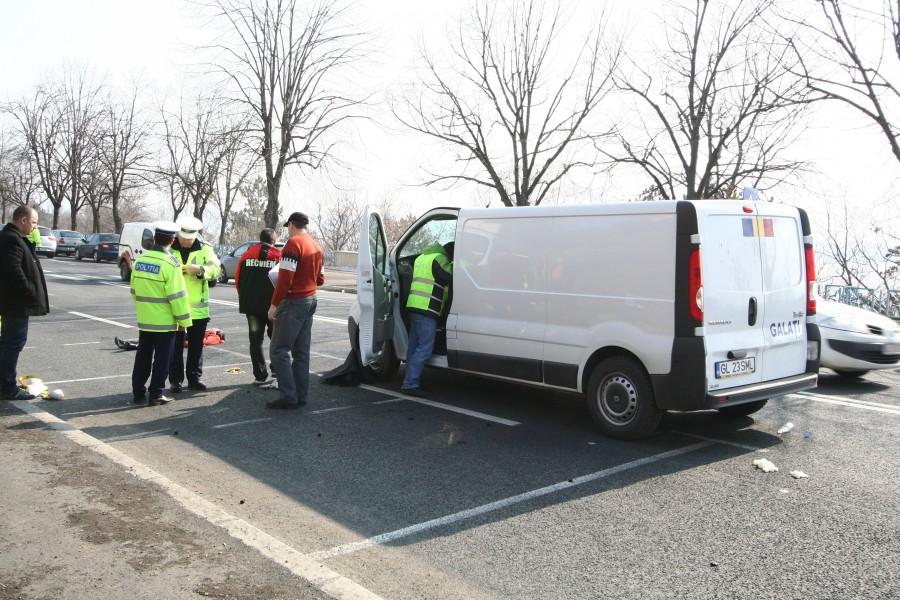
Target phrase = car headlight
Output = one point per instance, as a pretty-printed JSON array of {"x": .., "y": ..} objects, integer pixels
[{"x": 845, "y": 324}]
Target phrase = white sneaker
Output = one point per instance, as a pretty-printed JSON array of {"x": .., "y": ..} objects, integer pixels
[{"x": 273, "y": 385}]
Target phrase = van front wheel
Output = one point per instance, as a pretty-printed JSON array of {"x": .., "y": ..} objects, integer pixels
[
  {"x": 621, "y": 400},
  {"x": 385, "y": 366}
]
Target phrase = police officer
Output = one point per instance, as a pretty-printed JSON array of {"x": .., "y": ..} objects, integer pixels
[
  {"x": 161, "y": 300},
  {"x": 199, "y": 264},
  {"x": 432, "y": 276}
]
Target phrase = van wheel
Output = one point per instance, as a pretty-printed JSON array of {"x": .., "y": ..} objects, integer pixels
[
  {"x": 386, "y": 366},
  {"x": 621, "y": 399},
  {"x": 124, "y": 271},
  {"x": 742, "y": 410}
]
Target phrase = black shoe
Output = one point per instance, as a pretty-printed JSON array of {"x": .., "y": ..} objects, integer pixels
[
  {"x": 176, "y": 388},
  {"x": 140, "y": 399},
  {"x": 280, "y": 404},
  {"x": 19, "y": 394},
  {"x": 160, "y": 400},
  {"x": 416, "y": 391},
  {"x": 197, "y": 385}
]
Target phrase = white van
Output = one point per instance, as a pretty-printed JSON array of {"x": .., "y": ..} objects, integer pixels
[
  {"x": 136, "y": 239},
  {"x": 644, "y": 307}
]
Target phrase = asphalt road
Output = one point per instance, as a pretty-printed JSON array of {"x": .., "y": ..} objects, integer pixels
[{"x": 488, "y": 489}]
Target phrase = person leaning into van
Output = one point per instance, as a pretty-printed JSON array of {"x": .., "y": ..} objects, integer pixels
[
  {"x": 293, "y": 306},
  {"x": 432, "y": 276},
  {"x": 200, "y": 265},
  {"x": 161, "y": 301},
  {"x": 251, "y": 279}
]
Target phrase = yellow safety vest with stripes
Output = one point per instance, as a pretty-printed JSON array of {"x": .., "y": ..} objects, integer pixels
[
  {"x": 198, "y": 285},
  {"x": 158, "y": 292}
]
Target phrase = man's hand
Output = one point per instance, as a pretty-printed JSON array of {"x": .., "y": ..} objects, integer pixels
[
  {"x": 271, "y": 314},
  {"x": 191, "y": 269}
]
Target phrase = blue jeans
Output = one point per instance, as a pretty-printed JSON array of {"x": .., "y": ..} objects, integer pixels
[
  {"x": 289, "y": 348},
  {"x": 258, "y": 326},
  {"x": 154, "y": 353},
  {"x": 13, "y": 335},
  {"x": 422, "y": 331},
  {"x": 194, "y": 334}
]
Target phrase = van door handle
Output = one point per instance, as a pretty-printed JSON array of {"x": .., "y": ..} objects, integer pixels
[{"x": 751, "y": 312}]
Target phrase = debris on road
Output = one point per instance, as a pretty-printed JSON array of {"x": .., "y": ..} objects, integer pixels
[
  {"x": 786, "y": 428},
  {"x": 765, "y": 465},
  {"x": 798, "y": 474}
]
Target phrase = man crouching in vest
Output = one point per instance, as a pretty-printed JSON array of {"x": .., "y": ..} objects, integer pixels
[
  {"x": 161, "y": 300},
  {"x": 432, "y": 276},
  {"x": 200, "y": 265}
]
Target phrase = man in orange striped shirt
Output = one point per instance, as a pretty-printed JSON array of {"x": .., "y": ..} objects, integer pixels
[{"x": 300, "y": 272}]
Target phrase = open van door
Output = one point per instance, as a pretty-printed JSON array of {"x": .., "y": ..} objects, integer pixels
[{"x": 373, "y": 284}]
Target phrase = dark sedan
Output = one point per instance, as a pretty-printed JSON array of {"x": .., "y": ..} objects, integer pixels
[{"x": 99, "y": 246}]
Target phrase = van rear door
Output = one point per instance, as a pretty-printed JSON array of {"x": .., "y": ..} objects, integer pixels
[
  {"x": 754, "y": 292},
  {"x": 373, "y": 284}
]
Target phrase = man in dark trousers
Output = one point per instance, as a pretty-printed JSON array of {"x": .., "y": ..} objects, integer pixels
[
  {"x": 251, "y": 278},
  {"x": 23, "y": 294},
  {"x": 161, "y": 301}
]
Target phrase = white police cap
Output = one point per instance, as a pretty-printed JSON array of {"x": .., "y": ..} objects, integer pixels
[
  {"x": 189, "y": 227},
  {"x": 166, "y": 228}
]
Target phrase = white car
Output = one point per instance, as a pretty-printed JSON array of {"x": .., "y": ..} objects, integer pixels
[
  {"x": 855, "y": 341},
  {"x": 48, "y": 242}
]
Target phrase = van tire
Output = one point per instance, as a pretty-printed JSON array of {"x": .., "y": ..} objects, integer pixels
[
  {"x": 742, "y": 410},
  {"x": 613, "y": 380},
  {"x": 124, "y": 271},
  {"x": 385, "y": 367}
]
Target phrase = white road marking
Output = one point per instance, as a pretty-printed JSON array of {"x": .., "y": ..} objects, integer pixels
[
  {"x": 235, "y": 424},
  {"x": 58, "y": 276},
  {"x": 392, "y": 536},
  {"x": 327, "y": 410},
  {"x": 331, "y": 582},
  {"x": 80, "y": 343},
  {"x": 842, "y": 401},
  {"x": 101, "y": 320},
  {"x": 432, "y": 403},
  {"x": 208, "y": 367},
  {"x": 723, "y": 442}
]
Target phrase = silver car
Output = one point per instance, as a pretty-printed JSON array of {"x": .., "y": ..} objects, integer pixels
[
  {"x": 66, "y": 240},
  {"x": 48, "y": 242},
  {"x": 855, "y": 341}
]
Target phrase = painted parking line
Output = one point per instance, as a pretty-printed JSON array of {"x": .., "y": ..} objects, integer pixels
[
  {"x": 393, "y": 536},
  {"x": 80, "y": 343},
  {"x": 331, "y": 582},
  {"x": 240, "y": 364},
  {"x": 721, "y": 441},
  {"x": 849, "y": 402},
  {"x": 93, "y": 318},
  {"x": 442, "y": 406},
  {"x": 237, "y": 423}
]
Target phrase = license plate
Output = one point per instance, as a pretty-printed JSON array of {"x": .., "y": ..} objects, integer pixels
[
  {"x": 731, "y": 368},
  {"x": 890, "y": 349}
]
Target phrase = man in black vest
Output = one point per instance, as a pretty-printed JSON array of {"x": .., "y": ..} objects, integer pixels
[
  {"x": 23, "y": 294},
  {"x": 251, "y": 278}
]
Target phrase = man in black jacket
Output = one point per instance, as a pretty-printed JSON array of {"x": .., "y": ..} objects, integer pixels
[
  {"x": 22, "y": 295},
  {"x": 255, "y": 288}
]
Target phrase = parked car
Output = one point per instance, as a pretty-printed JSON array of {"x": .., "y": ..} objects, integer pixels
[
  {"x": 230, "y": 260},
  {"x": 855, "y": 340},
  {"x": 99, "y": 246},
  {"x": 66, "y": 240},
  {"x": 48, "y": 242}
]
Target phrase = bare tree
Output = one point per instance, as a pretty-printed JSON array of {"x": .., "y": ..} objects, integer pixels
[
  {"x": 850, "y": 52},
  {"x": 18, "y": 181},
  {"x": 80, "y": 96},
  {"x": 717, "y": 106},
  {"x": 336, "y": 223},
  {"x": 193, "y": 143},
  {"x": 394, "y": 220},
  {"x": 514, "y": 120},
  {"x": 249, "y": 221},
  {"x": 285, "y": 65},
  {"x": 238, "y": 162},
  {"x": 841, "y": 248},
  {"x": 121, "y": 144}
]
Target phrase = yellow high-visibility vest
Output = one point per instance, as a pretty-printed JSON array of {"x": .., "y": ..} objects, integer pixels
[
  {"x": 198, "y": 285},
  {"x": 159, "y": 293}
]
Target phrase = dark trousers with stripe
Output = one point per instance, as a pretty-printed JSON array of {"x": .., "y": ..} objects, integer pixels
[
  {"x": 194, "y": 367},
  {"x": 154, "y": 353}
]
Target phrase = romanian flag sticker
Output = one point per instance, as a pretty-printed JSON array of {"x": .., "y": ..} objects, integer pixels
[{"x": 758, "y": 227}]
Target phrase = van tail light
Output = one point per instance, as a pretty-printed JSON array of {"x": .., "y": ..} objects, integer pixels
[
  {"x": 810, "y": 281},
  {"x": 695, "y": 287}
]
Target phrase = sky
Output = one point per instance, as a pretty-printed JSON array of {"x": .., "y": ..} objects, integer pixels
[{"x": 122, "y": 38}]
